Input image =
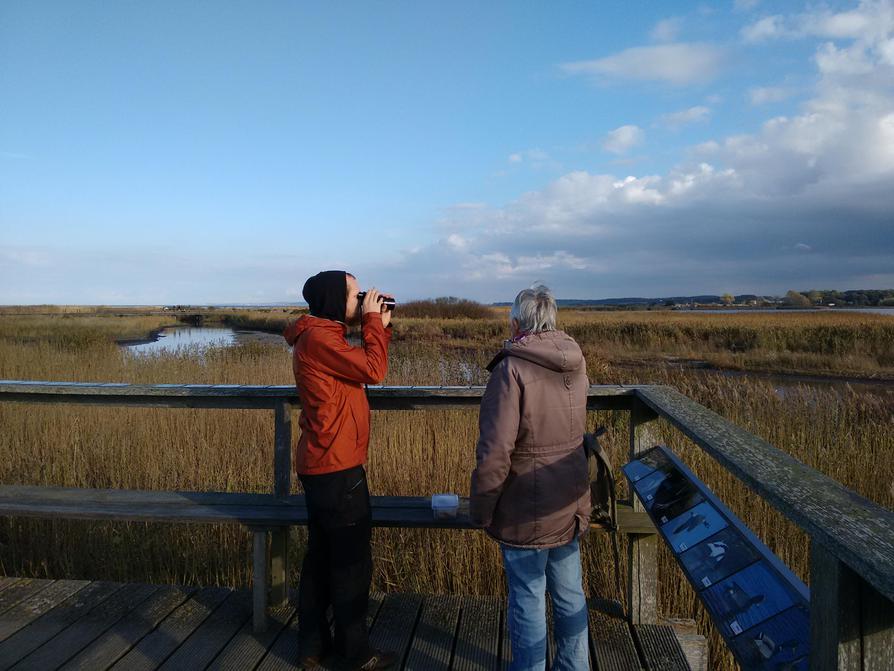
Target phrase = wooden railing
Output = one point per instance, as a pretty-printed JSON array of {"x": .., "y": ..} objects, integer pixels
[{"x": 851, "y": 538}]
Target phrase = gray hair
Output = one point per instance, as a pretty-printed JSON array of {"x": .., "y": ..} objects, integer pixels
[{"x": 535, "y": 309}]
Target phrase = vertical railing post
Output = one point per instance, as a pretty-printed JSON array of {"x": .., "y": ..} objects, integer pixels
[
  {"x": 282, "y": 482},
  {"x": 642, "y": 549},
  {"x": 259, "y": 580},
  {"x": 851, "y": 624}
]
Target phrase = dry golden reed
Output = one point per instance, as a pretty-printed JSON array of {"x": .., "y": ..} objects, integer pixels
[{"x": 846, "y": 434}]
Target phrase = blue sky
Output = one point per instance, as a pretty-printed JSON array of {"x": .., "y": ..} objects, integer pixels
[{"x": 173, "y": 152}]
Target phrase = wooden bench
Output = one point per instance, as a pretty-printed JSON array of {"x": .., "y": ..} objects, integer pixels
[
  {"x": 260, "y": 513},
  {"x": 263, "y": 514}
]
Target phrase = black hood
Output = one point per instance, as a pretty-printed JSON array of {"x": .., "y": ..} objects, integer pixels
[{"x": 326, "y": 294}]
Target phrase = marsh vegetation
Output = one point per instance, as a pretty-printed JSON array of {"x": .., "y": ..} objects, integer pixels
[{"x": 846, "y": 434}]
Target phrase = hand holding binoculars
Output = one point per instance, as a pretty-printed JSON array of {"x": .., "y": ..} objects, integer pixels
[{"x": 386, "y": 301}]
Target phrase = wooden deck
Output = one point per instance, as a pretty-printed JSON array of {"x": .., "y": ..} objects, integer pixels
[{"x": 79, "y": 624}]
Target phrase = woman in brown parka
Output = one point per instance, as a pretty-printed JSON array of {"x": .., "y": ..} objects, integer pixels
[{"x": 530, "y": 488}]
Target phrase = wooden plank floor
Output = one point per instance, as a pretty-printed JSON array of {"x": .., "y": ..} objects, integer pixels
[{"x": 78, "y": 624}]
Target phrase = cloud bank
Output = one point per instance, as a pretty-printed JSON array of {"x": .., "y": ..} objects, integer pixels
[
  {"x": 677, "y": 64},
  {"x": 804, "y": 201}
]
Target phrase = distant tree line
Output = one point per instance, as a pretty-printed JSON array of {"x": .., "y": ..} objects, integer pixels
[{"x": 856, "y": 297}]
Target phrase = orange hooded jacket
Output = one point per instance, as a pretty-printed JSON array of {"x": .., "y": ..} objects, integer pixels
[{"x": 329, "y": 375}]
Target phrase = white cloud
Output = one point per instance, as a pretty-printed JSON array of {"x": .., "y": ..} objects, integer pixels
[
  {"x": 832, "y": 60},
  {"x": 457, "y": 241},
  {"x": 667, "y": 30},
  {"x": 745, "y": 5},
  {"x": 851, "y": 24},
  {"x": 685, "y": 117},
  {"x": 871, "y": 20},
  {"x": 623, "y": 139},
  {"x": 677, "y": 64},
  {"x": 761, "y": 95},
  {"x": 805, "y": 198},
  {"x": 535, "y": 158},
  {"x": 767, "y": 28}
]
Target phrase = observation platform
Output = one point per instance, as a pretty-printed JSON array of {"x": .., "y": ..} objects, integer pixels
[{"x": 95, "y": 625}]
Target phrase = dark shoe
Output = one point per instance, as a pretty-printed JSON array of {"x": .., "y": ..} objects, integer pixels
[
  {"x": 378, "y": 659},
  {"x": 312, "y": 660},
  {"x": 309, "y": 661}
]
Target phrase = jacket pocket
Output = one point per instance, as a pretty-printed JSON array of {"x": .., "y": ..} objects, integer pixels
[{"x": 354, "y": 504}]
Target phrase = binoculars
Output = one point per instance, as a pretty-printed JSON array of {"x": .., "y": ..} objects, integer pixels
[{"x": 389, "y": 303}]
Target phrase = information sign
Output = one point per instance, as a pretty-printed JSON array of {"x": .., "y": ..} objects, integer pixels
[{"x": 757, "y": 603}]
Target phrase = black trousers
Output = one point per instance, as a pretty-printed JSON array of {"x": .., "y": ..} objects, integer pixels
[{"x": 337, "y": 568}]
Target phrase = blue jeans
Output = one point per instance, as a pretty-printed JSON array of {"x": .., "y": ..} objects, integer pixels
[{"x": 531, "y": 573}]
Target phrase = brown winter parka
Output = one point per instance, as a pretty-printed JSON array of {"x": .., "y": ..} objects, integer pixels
[{"x": 530, "y": 488}]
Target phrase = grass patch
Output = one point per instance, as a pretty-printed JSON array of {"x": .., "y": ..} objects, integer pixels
[{"x": 845, "y": 435}]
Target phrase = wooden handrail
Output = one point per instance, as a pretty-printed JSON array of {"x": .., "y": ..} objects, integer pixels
[
  {"x": 600, "y": 397},
  {"x": 854, "y": 529}
]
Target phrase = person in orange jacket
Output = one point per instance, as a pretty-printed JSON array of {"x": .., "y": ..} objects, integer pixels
[{"x": 330, "y": 375}]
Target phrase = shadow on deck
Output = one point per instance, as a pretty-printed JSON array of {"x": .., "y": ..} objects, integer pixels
[{"x": 79, "y": 624}]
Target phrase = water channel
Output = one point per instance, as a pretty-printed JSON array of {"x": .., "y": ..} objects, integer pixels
[
  {"x": 187, "y": 339},
  {"x": 179, "y": 339}
]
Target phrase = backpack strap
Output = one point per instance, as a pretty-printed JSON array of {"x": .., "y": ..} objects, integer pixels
[{"x": 600, "y": 468}]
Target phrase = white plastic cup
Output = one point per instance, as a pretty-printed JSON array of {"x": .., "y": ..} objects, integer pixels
[{"x": 444, "y": 506}]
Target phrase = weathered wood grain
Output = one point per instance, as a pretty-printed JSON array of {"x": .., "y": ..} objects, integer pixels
[
  {"x": 28, "y": 639},
  {"x": 154, "y": 648},
  {"x": 86, "y": 629},
  {"x": 642, "y": 549},
  {"x": 600, "y": 397},
  {"x": 259, "y": 581},
  {"x": 247, "y": 648},
  {"x": 150, "y": 627},
  {"x": 478, "y": 640},
  {"x": 20, "y": 590},
  {"x": 611, "y": 644},
  {"x": 877, "y": 629},
  {"x": 394, "y": 624},
  {"x": 505, "y": 647},
  {"x": 432, "y": 644},
  {"x": 282, "y": 448},
  {"x": 253, "y": 510},
  {"x": 209, "y": 639},
  {"x": 282, "y": 484},
  {"x": 660, "y": 648},
  {"x": 283, "y": 655},
  {"x": 632, "y": 521},
  {"x": 694, "y": 644},
  {"x": 129, "y": 631},
  {"x": 36, "y": 604}
]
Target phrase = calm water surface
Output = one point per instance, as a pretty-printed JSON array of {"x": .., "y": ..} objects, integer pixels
[{"x": 175, "y": 338}]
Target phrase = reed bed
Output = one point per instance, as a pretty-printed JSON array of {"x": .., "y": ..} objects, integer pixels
[
  {"x": 844, "y": 434},
  {"x": 828, "y": 343}
]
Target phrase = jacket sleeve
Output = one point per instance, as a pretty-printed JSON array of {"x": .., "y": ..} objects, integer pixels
[
  {"x": 498, "y": 429},
  {"x": 367, "y": 364}
]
